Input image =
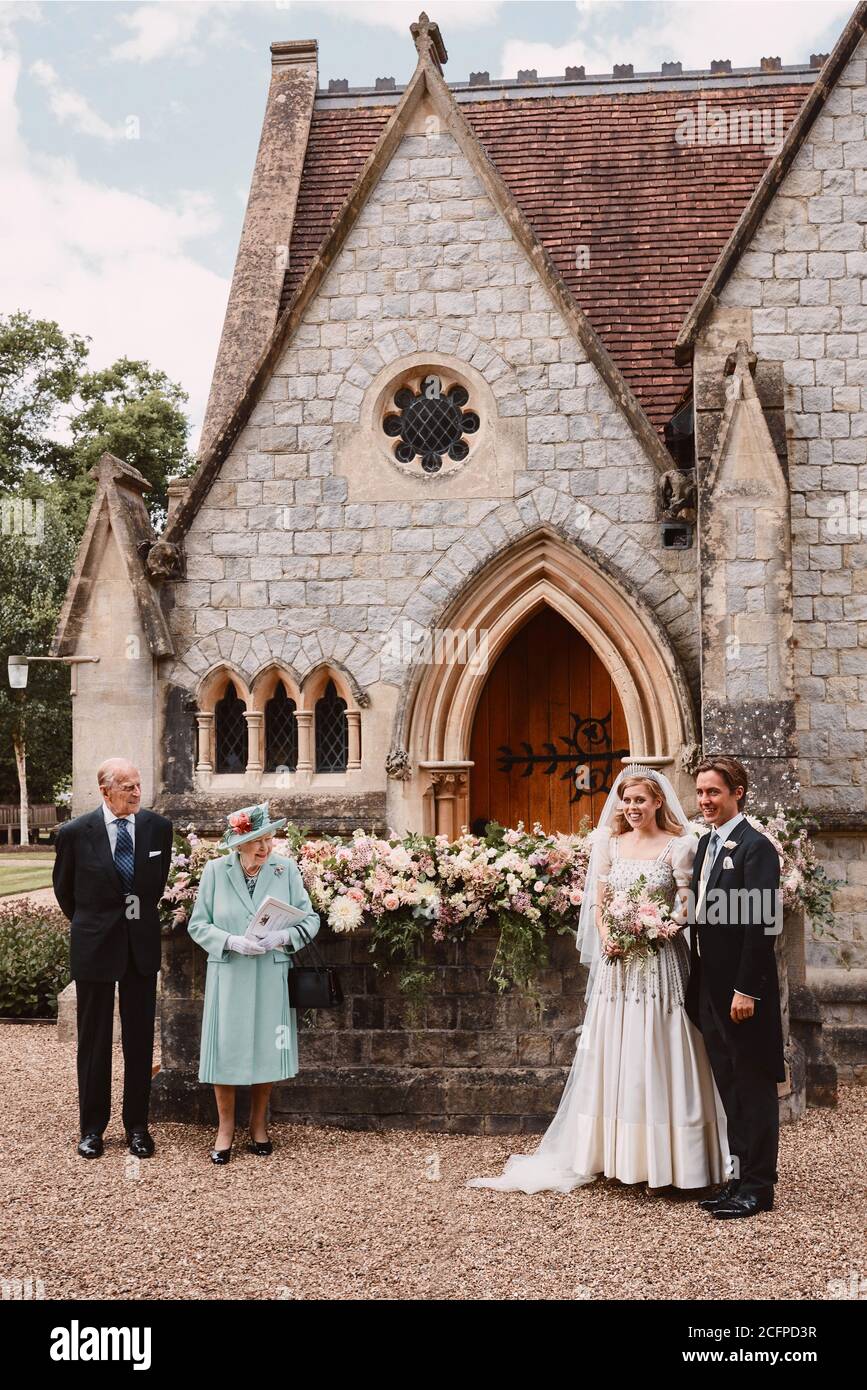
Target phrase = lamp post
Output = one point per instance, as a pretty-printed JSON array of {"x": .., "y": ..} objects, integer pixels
[{"x": 18, "y": 670}]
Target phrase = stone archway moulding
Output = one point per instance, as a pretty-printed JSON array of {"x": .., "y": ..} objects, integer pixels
[{"x": 543, "y": 569}]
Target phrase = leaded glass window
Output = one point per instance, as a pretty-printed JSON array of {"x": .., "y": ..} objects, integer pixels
[
  {"x": 281, "y": 732},
  {"x": 230, "y": 732},
  {"x": 431, "y": 423},
  {"x": 332, "y": 740}
]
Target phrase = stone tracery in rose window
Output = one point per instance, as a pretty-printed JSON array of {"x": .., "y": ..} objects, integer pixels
[{"x": 430, "y": 423}]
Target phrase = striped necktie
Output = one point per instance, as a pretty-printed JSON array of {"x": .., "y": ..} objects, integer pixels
[{"x": 124, "y": 857}]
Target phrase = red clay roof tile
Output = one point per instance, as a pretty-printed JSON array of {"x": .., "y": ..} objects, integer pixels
[{"x": 603, "y": 171}]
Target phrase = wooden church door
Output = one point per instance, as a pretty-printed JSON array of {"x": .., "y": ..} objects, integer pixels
[{"x": 548, "y": 709}]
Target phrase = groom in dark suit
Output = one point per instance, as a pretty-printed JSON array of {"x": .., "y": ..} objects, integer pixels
[
  {"x": 109, "y": 875},
  {"x": 733, "y": 993}
]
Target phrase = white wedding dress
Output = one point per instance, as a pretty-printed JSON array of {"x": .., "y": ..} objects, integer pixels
[{"x": 640, "y": 1103}]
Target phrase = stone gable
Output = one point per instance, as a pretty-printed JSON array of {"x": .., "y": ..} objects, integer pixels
[{"x": 311, "y": 531}]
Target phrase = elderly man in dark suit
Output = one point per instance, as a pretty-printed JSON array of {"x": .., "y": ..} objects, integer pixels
[{"x": 109, "y": 875}]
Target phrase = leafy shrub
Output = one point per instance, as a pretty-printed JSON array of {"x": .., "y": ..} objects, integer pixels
[{"x": 34, "y": 960}]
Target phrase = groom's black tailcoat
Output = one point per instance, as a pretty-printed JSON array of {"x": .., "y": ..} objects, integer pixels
[
  {"x": 732, "y": 938},
  {"x": 114, "y": 935},
  {"x": 729, "y": 955}
]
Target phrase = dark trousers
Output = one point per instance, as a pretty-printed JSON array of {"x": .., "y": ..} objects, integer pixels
[
  {"x": 95, "y": 1012},
  {"x": 750, "y": 1101}
]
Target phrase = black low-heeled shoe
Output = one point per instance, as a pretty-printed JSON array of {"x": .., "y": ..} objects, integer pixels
[
  {"x": 257, "y": 1146},
  {"x": 222, "y": 1156}
]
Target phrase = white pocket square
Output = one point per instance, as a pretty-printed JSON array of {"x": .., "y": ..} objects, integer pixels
[
  {"x": 727, "y": 862},
  {"x": 154, "y": 852}
]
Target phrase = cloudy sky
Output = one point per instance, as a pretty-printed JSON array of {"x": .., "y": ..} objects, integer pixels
[{"x": 128, "y": 131}]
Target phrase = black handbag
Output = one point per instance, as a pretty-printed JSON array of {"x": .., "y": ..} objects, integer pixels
[{"x": 314, "y": 986}]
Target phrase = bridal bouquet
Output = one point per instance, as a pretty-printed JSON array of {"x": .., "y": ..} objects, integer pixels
[{"x": 638, "y": 923}]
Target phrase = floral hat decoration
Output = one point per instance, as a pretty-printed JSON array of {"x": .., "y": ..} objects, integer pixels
[{"x": 249, "y": 824}]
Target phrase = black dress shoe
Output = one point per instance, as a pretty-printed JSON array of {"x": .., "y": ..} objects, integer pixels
[
  {"x": 724, "y": 1194},
  {"x": 90, "y": 1146},
  {"x": 745, "y": 1204},
  {"x": 222, "y": 1155},
  {"x": 257, "y": 1146},
  {"x": 140, "y": 1142}
]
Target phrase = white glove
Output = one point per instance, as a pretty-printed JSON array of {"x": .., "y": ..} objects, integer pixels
[
  {"x": 244, "y": 946},
  {"x": 275, "y": 938}
]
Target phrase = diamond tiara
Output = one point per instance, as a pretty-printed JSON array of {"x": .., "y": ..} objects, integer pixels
[{"x": 639, "y": 770}]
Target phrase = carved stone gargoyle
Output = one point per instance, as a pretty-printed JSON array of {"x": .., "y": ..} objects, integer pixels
[
  {"x": 398, "y": 765},
  {"x": 164, "y": 560},
  {"x": 676, "y": 493}
]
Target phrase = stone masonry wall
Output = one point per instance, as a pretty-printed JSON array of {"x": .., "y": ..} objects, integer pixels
[
  {"x": 802, "y": 286},
  {"x": 281, "y": 558}
]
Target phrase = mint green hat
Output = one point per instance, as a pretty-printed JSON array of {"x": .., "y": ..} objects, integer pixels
[{"x": 249, "y": 823}]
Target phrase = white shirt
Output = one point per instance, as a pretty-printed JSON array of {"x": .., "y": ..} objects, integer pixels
[
  {"x": 111, "y": 827},
  {"x": 724, "y": 833}
]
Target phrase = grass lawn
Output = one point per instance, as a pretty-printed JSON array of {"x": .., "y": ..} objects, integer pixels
[{"x": 22, "y": 873}]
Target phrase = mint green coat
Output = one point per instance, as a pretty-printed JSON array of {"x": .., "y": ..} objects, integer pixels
[{"x": 248, "y": 1029}]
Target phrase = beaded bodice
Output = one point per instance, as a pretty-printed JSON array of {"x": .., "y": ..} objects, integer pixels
[
  {"x": 658, "y": 873},
  {"x": 664, "y": 975}
]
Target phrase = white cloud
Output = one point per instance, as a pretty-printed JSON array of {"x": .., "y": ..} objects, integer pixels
[
  {"x": 398, "y": 15},
  {"x": 70, "y": 107},
  {"x": 743, "y": 30},
  {"x": 114, "y": 265},
  {"x": 172, "y": 30}
]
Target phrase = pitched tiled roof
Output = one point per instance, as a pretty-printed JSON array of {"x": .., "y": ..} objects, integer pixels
[{"x": 597, "y": 170}]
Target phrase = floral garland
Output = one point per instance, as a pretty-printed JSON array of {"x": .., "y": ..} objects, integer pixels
[{"x": 525, "y": 882}]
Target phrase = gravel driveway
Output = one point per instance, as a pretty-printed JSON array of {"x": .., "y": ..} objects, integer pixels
[{"x": 337, "y": 1214}]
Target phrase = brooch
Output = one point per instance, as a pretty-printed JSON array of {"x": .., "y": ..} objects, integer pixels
[{"x": 278, "y": 870}]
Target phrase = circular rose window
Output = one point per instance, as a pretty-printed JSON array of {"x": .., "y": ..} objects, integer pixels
[{"x": 430, "y": 422}]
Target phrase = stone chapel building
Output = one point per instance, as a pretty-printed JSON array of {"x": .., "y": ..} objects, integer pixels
[{"x": 537, "y": 440}]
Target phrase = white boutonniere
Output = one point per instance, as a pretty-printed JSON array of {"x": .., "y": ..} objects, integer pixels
[
  {"x": 727, "y": 862},
  {"x": 730, "y": 844}
]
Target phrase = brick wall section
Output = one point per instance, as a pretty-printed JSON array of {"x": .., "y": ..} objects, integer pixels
[{"x": 473, "y": 1061}]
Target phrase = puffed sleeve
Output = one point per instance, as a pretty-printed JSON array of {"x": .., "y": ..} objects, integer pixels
[
  {"x": 602, "y": 843},
  {"x": 682, "y": 854}
]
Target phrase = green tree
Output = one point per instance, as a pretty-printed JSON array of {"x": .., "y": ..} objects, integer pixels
[
  {"x": 40, "y": 370},
  {"x": 37, "y": 551},
  {"x": 134, "y": 411},
  {"x": 57, "y": 418}
]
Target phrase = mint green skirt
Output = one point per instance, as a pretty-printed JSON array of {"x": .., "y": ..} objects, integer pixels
[{"x": 248, "y": 1028}]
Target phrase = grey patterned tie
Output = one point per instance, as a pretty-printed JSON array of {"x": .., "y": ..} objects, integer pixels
[
  {"x": 124, "y": 857},
  {"x": 710, "y": 857}
]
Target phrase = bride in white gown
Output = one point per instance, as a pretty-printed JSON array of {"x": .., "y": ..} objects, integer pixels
[{"x": 640, "y": 1103}]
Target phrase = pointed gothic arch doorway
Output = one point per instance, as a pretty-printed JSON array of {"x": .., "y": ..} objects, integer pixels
[
  {"x": 549, "y": 732},
  {"x": 434, "y": 723}
]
